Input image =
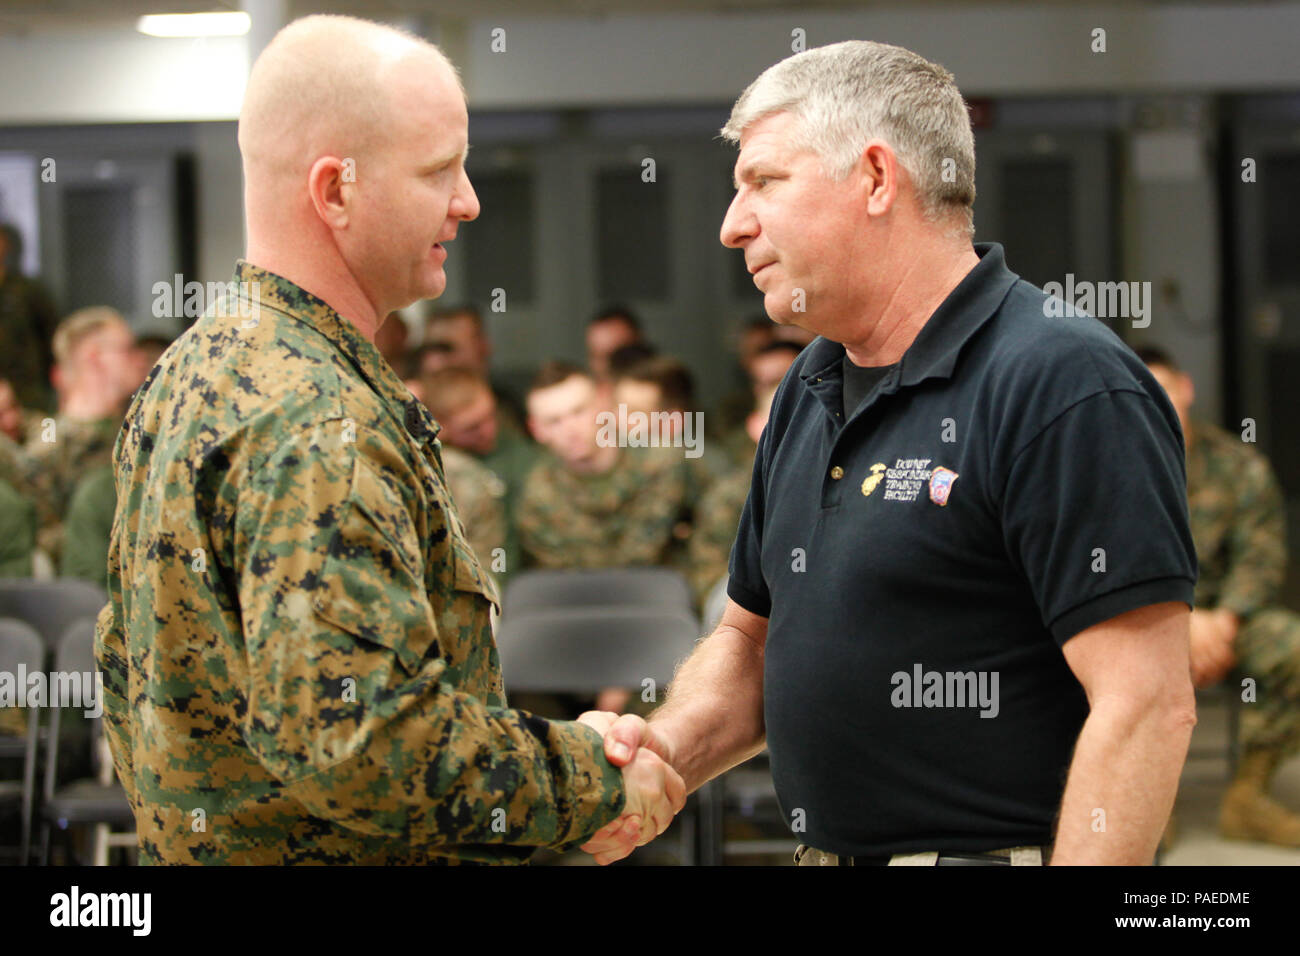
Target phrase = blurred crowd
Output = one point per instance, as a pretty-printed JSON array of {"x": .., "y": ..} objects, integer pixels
[{"x": 534, "y": 481}]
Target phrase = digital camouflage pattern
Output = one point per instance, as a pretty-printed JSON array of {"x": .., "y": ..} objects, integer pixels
[
  {"x": 1239, "y": 525},
  {"x": 59, "y": 455},
  {"x": 635, "y": 514},
  {"x": 512, "y": 459},
  {"x": 480, "y": 499},
  {"x": 297, "y": 651}
]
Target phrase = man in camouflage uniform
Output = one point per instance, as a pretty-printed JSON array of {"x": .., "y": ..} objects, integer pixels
[
  {"x": 593, "y": 505},
  {"x": 297, "y": 655},
  {"x": 1239, "y": 526},
  {"x": 588, "y": 504},
  {"x": 463, "y": 402},
  {"x": 96, "y": 369}
]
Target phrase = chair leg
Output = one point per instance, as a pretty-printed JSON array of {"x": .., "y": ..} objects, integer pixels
[{"x": 100, "y": 853}]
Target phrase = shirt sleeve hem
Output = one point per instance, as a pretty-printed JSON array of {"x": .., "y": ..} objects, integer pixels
[
  {"x": 1112, "y": 604},
  {"x": 751, "y": 601}
]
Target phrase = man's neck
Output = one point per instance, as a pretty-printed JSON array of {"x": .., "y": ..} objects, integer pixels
[
  {"x": 323, "y": 275},
  {"x": 926, "y": 281}
]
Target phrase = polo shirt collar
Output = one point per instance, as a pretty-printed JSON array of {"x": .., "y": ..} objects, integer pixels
[
  {"x": 933, "y": 354},
  {"x": 278, "y": 294}
]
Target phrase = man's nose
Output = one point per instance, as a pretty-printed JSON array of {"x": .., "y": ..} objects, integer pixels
[
  {"x": 466, "y": 200},
  {"x": 737, "y": 225}
]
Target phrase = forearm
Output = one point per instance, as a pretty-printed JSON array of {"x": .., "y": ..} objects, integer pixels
[
  {"x": 713, "y": 717},
  {"x": 1122, "y": 783}
]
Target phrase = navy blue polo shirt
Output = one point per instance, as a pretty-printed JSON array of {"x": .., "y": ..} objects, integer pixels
[{"x": 1014, "y": 480}]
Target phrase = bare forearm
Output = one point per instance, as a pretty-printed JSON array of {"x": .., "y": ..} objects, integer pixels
[
  {"x": 1122, "y": 784},
  {"x": 713, "y": 718}
]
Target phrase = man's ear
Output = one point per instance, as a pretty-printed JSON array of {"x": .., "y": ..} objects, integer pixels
[
  {"x": 1188, "y": 389},
  {"x": 325, "y": 185},
  {"x": 881, "y": 175}
]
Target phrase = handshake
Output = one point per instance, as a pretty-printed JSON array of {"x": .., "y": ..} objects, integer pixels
[{"x": 655, "y": 791}]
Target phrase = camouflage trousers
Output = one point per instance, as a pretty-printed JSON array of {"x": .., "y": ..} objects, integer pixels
[{"x": 1268, "y": 652}]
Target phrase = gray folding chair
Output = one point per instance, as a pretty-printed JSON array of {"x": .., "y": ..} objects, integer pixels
[
  {"x": 584, "y": 647},
  {"x": 655, "y": 587},
  {"x": 98, "y": 801},
  {"x": 21, "y": 647},
  {"x": 50, "y": 606}
]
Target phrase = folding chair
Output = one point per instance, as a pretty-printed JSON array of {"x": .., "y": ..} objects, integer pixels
[
  {"x": 51, "y": 607},
  {"x": 99, "y": 801},
  {"x": 21, "y": 647},
  {"x": 653, "y": 587},
  {"x": 584, "y": 647}
]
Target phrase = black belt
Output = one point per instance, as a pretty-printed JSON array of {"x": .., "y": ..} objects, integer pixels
[{"x": 945, "y": 859}]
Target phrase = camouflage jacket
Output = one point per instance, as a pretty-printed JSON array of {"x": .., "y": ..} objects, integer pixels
[
  {"x": 297, "y": 651},
  {"x": 1238, "y": 522},
  {"x": 479, "y": 494},
  {"x": 628, "y": 516},
  {"x": 59, "y": 455}
]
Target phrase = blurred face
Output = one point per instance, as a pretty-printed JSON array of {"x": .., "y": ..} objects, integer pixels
[
  {"x": 767, "y": 370},
  {"x": 799, "y": 229},
  {"x": 474, "y": 427},
  {"x": 411, "y": 193},
  {"x": 465, "y": 346},
  {"x": 604, "y": 339},
  {"x": 638, "y": 396},
  {"x": 109, "y": 356},
  {"x": 563, "y": 418},
  {"x": 11, "y": 413},
  {"x": 751, "y": 342},
  {"x": 1179, "y": 389}
]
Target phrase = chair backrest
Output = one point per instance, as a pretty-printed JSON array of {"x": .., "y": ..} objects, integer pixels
[
  {"x": 20, "y": 645},
  {"x": 51, "y": 607},
  {"x": 654, "y": 587},
  {"x": 585, "y": 649},
  {"x": 75, "y": 654}
]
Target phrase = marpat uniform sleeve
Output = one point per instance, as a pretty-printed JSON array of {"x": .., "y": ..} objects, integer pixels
[{"x": 353, "y": 700}]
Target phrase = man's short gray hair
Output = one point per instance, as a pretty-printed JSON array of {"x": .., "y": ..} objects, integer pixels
[{"x": 846, "y": 94}]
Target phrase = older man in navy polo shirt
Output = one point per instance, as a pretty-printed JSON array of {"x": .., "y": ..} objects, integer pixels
[{"x": 960, "y": 588}]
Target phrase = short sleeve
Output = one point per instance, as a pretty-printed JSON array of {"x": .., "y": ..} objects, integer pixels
[
  {"x": 1094, "y": 512},
  {"x": 746, "y": 585}
]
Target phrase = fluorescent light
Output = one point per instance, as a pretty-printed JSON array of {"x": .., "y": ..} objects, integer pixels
[{"x": 230, "y": 24}]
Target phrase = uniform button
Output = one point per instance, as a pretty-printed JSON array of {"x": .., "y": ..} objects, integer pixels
[{"x": 837, "y": 472}]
